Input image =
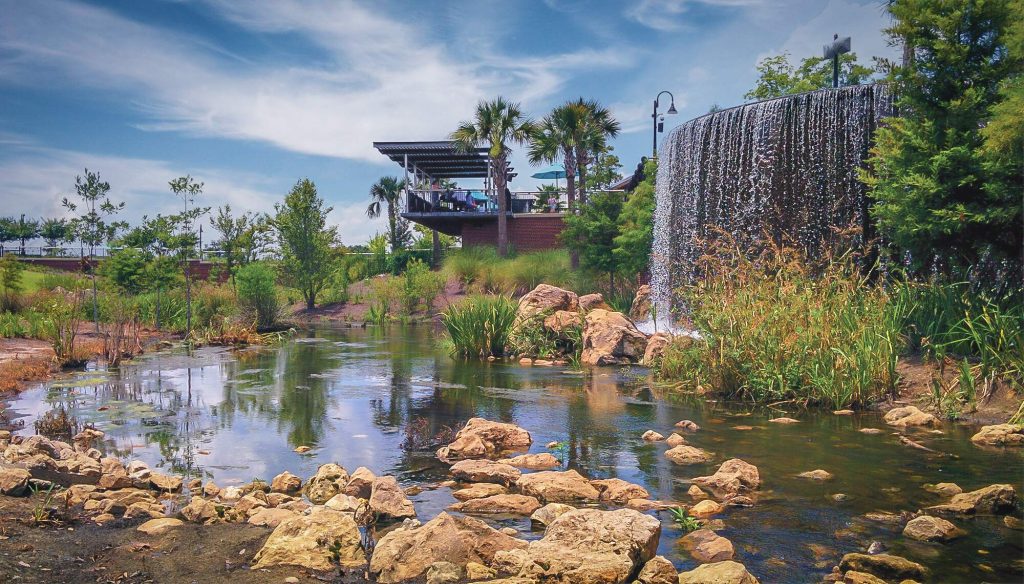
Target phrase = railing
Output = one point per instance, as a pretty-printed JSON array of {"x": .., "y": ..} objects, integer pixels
[
  {"x": 478, "y": 202},
  {"x": 43, "y": 251}
]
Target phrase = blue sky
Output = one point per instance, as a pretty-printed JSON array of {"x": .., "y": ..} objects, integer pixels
[{"x": 250, "y": 95}]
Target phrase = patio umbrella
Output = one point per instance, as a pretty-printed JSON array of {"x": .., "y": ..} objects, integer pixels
[{"x": 555, "y": 171}]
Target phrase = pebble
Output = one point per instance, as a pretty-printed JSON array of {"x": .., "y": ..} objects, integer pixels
[{"x": 291, "y": 580}]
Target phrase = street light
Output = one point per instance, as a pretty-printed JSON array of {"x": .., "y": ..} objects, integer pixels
[
  {"x": 660, "y": 127},
  {"x": 832, "y": 51}
]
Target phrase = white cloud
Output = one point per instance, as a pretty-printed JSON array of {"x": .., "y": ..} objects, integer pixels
[
  {"x": 664, "y": 15},
  {"x": 43, "y": 176},
  {"x": 379, "y": 79},
  {"x": 863, "y": 22}
]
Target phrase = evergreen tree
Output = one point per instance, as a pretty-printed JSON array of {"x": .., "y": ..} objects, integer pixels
[
  {"x": 591, "y": 233},
  {"x": 632, "y": 251},
  {"x": 938, "y": 194},
  {"x": 307, "y": 244}
]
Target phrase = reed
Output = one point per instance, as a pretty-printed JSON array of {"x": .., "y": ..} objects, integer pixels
[{"x": 480, "y": 326}]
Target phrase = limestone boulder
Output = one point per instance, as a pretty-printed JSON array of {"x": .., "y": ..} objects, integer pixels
[
  {"x": 539, "y": 461},
  {"x": 908, "y": 416},
  {"x": 610, "y": 338},
  {"x": 144, "y": 509},
  {"x": 652, "y": 436},
  {"x": 727, "y": 572},
  {"x": 884, "y": 566},
  {"x": 328, "y": 481},
  {"x": 684, "y": 454},
  {"x": 589, "y": 302},
  {"x": 388, "y": 500},
  {"x": 706, "y": 546},
  {"x": 14, "y": 481},
  {"x": 321, "y": 541},
  {"x": 562, "y": 322},
  {"x": 200, "y": 510},
  {"x": 346, "y": 503},
  {"x": 655, "y": 348},
  {"x": 1000, "y": 435},
  {"x": 706, "y": 508},
  {"x": 485, "y": 471},
  {"x": 732, "y": 477},
  {"x": 360, "y": 483},
  {"x": 479, "y": 491},
  {"x": 480, "y": 438},
  {"x": 674, "y": 440},
  {"x": 927, "y": 528},
  {"x": 162, "y": 482},
  {"x": 619, "y": 491},
  {"x": 558, "y": 487},
  {"x": 640, "y": 310},
  {"x": 444, "y": 573},
  {"x": 270, "y": 517},
  {"x": 159, "y": 526},
  {"x": 499, "y": 505},
  {"x": 589, "y": 545},
  {"x": 989, "y": 500},
  {"x": 548, "y": 513},
  {"x": 286, "y": 482},
  {"x": 406, "y": 554},
  {"x": 816, "y": 475},
  {"x": 546, "y": 299},
  {"x": 657, "y": 570},
  {"x": 687, "y": 425}
]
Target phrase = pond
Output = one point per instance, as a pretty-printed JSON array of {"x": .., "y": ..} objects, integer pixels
[{"x": 351, "y": 394}]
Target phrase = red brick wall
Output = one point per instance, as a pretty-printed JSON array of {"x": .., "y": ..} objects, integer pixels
[
  {"x": 525, "y": 232},
  {"x": 198, "y": 270}
]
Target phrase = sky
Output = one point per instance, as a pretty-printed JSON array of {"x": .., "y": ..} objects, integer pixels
[{"x": 249, "y": 96}]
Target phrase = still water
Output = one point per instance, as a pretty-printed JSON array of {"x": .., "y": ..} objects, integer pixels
[{"x": 350, "y": 394}]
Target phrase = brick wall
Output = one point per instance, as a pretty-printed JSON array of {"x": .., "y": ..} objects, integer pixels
[
  {"x": 198, "y": 270},
  {"x": 525, "y": 232}
]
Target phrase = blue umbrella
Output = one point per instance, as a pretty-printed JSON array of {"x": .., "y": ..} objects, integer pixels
[{"x": 555, "y": 171}]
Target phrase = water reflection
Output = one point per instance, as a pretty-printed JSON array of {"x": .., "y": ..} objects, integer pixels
[{"x": 351, "y": 393}]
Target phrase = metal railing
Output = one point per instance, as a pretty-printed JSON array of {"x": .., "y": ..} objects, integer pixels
[{"x": 477, "y": 201}]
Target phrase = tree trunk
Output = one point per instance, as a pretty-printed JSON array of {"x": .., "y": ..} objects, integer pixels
[
  {"x": 436, "y": 248},
  {"x": 499, "y": 183},
  {"x": 188, "y": 299},
  {"x": 310, "y": 301},
  {"x": 570, "y": 187},
  {"x": 581, "y": 170}
]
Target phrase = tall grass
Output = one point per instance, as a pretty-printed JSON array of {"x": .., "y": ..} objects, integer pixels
[
  {"x": 481, "y": 270},
  {"x": 773, "y": 330},
  {"x": 479, "y": 327}
]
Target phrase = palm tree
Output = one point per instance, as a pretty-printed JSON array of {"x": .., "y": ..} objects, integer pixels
[
  {"x": 598, "y": 126},
  {"x": 387, "y": 192},
  {"x": 555, "y": 137},
  {"x": 497, "y": 123}
]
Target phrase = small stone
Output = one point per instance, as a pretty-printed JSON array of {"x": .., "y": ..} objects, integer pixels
[
  {"x": 526, "y": 361},
  {"x": 160, "y": 526},
  {"x": 727, "y": 572},
  {"x": 706, "y": 508},
  {"x": 652, "y": 436},
  {"x": 291, "y": 580},
  {"x": 870, "y": 431},
  {"x": 1013, "y": 523},
  {"x": 784, "y": 420},
  {"x": 696, "y": 492},
  {"x": 840, "y": 497},
  {"x": 927, "y": 528},
  {"x": 475, "y": 571},
  {"x": 843, "y": 413},
  {"x": 286, "y": 482},
  {"x": 706, "y": 546},
  {"x": 884, "y": 566},
  {"x": 684, "y": 454},
  {"x": 552, "y": 444},
  {"x": 302, "y": 450},
  {"x": 687, "y": 425},
  {"x": 674, "y": 440},
  {"x": 947, "y": 489},
  {"x": 816, "y": 475},
  {"x": 548, "y": 513},
  {"x": 657, "y": 570}
]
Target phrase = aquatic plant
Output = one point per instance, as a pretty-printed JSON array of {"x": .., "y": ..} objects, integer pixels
[
  {"x": 683, "y": 520},
  {"x": 57, "y": 424},
  {"x": 62, "y": 314},
  {"x": 776, "y": 328},
  {"x": 41, "y": 509},
  {"x": 377, "y": 313},
  {"x": 480, "y": 326}
]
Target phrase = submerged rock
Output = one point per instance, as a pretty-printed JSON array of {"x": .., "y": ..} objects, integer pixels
[
  {"x": 589, "y": 545},
  {"x": 885, "y": 566},
  {"x": 406, "y": 554},
  {"x": 687, "y": 425},
  {"x": 388, "y": 500},
  {"x": 927, "y": 528},
  {"x": 610, "y": 338},
  {"x": 684, "y": 454},
  {"x": 485, "y": 471},
  {"x": 554, "y": 486},
  {"x": 652, "y": 436},
  {"x": 706, "y": 508},
  {"x": 727, "y": 572},
  {"x": 784, "y": 420},
  {"x": 479, "y": 491},
  {"x": 948, "y": 489},
  {"x": 674, "y": 440},
  {"x": 706, "y": 546},
  {"x": 816, "y": 475},
  {"x": 1000, "y": 435},
  {"x": 315, "y": 542},
  {"x": 909, "y": 416},
  {"x": 480, "y": 438}
]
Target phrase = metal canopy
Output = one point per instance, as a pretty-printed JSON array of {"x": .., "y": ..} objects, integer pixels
[{"x": 438, "y": 159}]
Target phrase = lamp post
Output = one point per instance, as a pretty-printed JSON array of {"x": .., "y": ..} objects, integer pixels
[
  {"x": 660, "y": 127},
  {"x": 832, "y": 51}
]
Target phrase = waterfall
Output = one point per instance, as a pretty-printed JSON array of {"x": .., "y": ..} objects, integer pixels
[{"x": 785, "y": 166}]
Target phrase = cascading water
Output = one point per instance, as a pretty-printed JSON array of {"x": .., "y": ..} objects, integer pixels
[{"x": 786, "y": 167}]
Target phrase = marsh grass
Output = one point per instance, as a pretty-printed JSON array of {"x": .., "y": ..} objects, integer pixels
[
  {"x": 481, "y": 270},
  {"x": 776, "y": 329},
  {"x": 480, "y": 326}
]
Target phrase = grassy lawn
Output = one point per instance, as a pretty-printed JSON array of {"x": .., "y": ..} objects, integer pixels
[{"x": 32, "y": 280}]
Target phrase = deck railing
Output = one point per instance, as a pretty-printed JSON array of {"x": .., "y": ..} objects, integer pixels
[{"x": 476, "y": 201}]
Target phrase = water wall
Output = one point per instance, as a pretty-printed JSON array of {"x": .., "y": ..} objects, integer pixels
[{"x": 785, "y": 167}]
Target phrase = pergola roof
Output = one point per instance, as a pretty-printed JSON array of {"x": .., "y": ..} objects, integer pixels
[{"x": 439, "y": 159}]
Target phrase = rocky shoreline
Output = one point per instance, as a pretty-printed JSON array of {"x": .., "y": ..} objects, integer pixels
[{"x": 341, "y": 524}]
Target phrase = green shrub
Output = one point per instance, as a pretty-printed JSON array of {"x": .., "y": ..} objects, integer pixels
[
  {"x": 257, "y": 294},
  {"x": 11, "y": 273},
  {"x": 67, "y": 281},
  {"x": 127, "y": 269},
  {"x": 479, "y": 326},
  {"x": 772, "y": 330},
  {"x": 211, "y": 306}
]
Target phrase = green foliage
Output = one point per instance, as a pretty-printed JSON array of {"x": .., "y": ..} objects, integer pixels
[
  {"x": 683, "y": 520},
  {"x": 257, "y": 294},
  {"x": 592, "y": 233},
  {"x": 632, "y": 245},
  {"x": 55, "y": 231},
  {"x": 479, "y": 326},
  {"x": 62, "y": 314},
  {"x": 385, "y": 196},
  {"x": 481, "y": 270},
  {"x": 128, "y": 269},
  {"x": 93, "y": 197},
  {"x": 242, "y": 237},
  {"x": 939, "y": 195},
  {"x": 409, "y": 293},
  {"x": 11, "y": 276},
  {"x": 778, "y": 77},
  {"x": 307, "y": 244},
  {"x": 774, "y": 329}
]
